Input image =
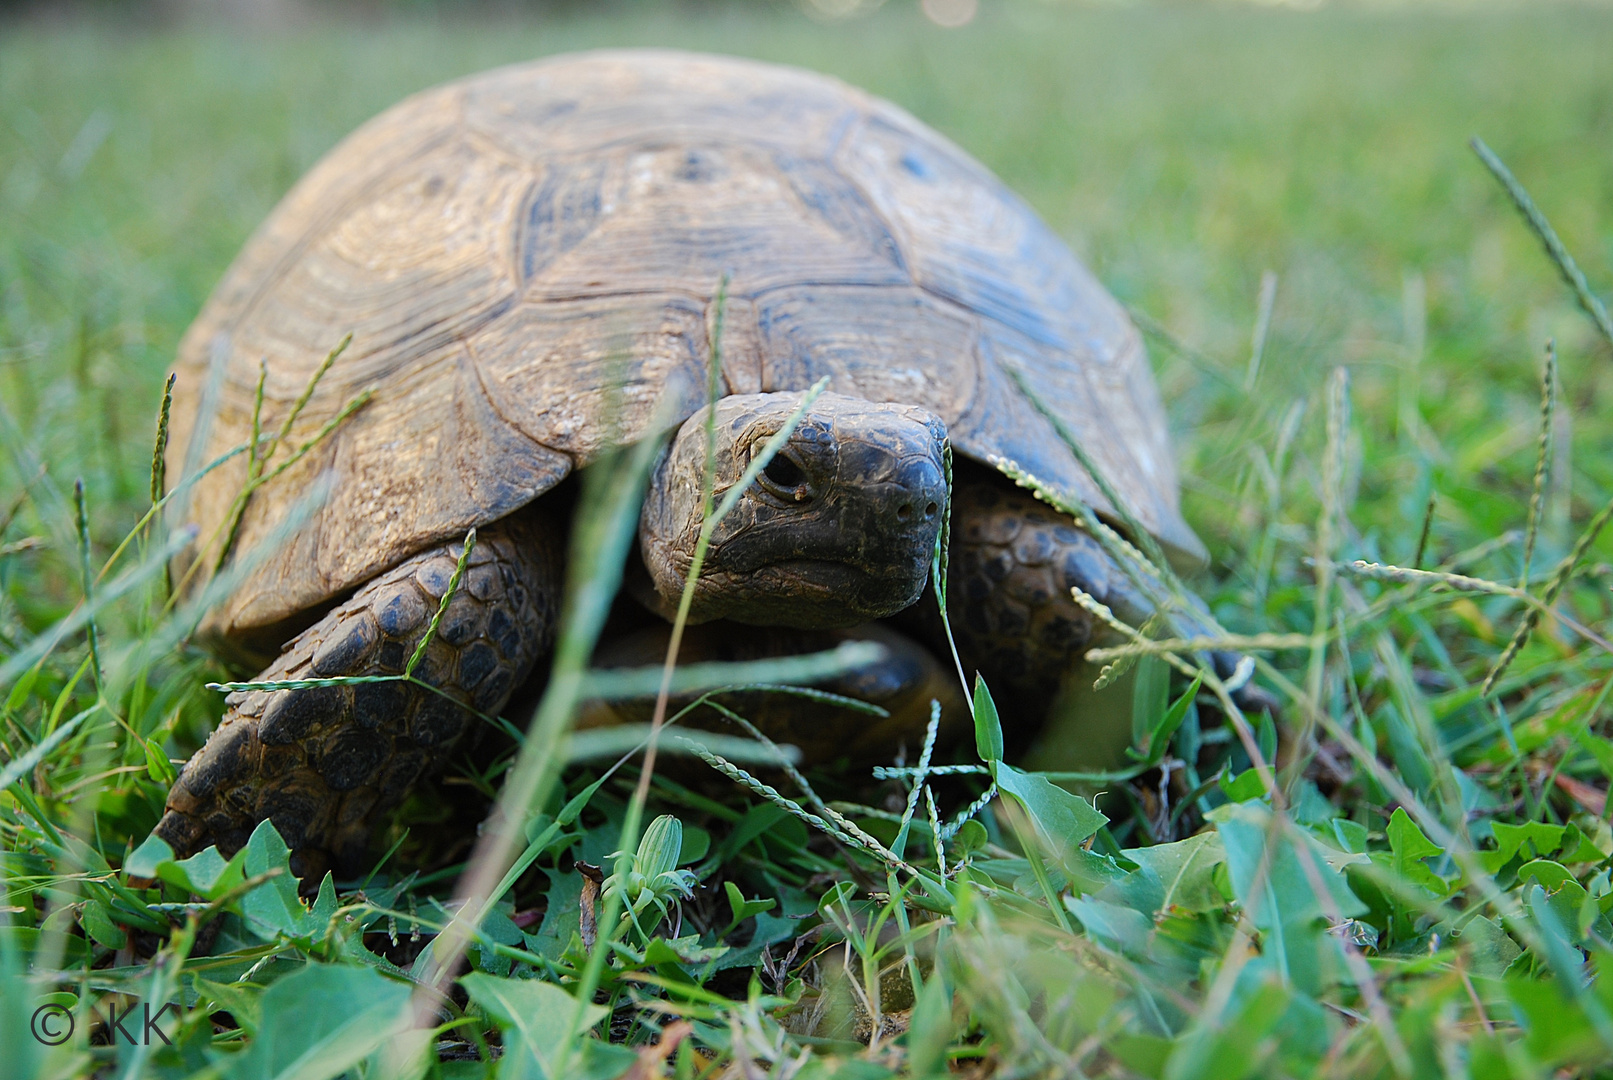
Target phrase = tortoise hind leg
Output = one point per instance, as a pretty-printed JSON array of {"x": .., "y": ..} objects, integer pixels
[{"x": 324, "y": 763}]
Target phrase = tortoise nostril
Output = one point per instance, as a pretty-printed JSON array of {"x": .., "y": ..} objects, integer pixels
[
  {"x": 904, "y": 511},
  {"x": 929, "y": 511}
]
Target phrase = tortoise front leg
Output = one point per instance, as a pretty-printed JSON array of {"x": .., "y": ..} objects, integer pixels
[
  {"x": 324, "y": 763},
  {"x": 1014, "y": 561}
]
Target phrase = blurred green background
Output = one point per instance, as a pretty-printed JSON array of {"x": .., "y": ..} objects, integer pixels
[{"x": 1182, "y": 150}]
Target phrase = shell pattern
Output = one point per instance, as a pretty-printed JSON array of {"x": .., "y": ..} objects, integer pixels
[{"x": 527, "y": 260}]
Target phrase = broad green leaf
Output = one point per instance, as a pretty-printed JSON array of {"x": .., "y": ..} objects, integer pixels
[
  {"x": 244, "y": 1001},
  {"x": 594, "y": 1060},
  {"x": 1237, "y": 1046},
  {"x": 929, "y": 1030},
  {"x": 1243, "y": 787},
  {"x": 562, "y": 917},
  {"x": 158, "y": 767},
  {"x": 319, "y": 1023},
  {"x": 1092, "y": 872},
  {"x": 1489, "y": 949},
  {"x": 988, "y": 728},
  {"x": 1123, "y": 929},
  {"x": 1510, "y": 840},
  {"x": 98, "y": 924},
  {"x": 536, "y": 1019},
  {"x": 1564, "y": 894},
  {"x": 274, "y": 906},
  {"x": 1065, "y": 821},
  {"x": 1351, "y": 835},
  {"x": 144, "y": 860},
  {"x": 742, "y": 908},
  {"x": 206, "y": 874},
  {"x": 1410, "y": 848},
  {"x": 1552, "y": 876},
  {"x": 970, "y": 837},
  {"x": 1139, "y": 889},
  {"x": 1083, "y": 870},
  {"x": 496, "y": 926},
  {"x": 1556, "y": 945},
  {"x": 1186, "y": 869},
  {"x": 683, "y": 950},
  {"x": 770, "y": 930},
  {"x": 1308, "y": 806},
  {"x": 1406, "y": 840},
  {"x": 1579, "y": 848},
  {"x": 840, "y": 894},
  {"x": 1279, "y": 891},
  {"x": 1157, "y": 740},
  {"x": 324, "y": 905},
  {"x": 1287, "y": 893}
]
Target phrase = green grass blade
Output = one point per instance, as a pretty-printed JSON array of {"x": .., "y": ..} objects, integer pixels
[{"x": 1558, "y": 253}]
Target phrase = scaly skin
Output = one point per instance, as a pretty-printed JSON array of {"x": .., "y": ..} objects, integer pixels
[
  {"x": 1013, "y": 563},
  {"x": 324, "y": 763},
  {"x": 837, "y": 530}
]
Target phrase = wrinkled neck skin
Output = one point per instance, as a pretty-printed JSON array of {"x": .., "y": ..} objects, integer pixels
[{"x": 837, "y": 530}]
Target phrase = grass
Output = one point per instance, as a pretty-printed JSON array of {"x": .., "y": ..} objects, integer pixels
[{"x": 1407, "y": 876}]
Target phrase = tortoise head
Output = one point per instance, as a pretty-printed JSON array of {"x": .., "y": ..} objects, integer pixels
[{"x": 838, "y": 529}]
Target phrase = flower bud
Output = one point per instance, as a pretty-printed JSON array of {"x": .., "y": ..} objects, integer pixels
[{"x": 659, "y": 847}]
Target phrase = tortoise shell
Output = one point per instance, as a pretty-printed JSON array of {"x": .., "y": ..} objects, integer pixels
[{"x": 527, "y": 260}]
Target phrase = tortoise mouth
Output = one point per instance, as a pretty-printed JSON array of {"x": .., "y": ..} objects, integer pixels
[
  {"x": 827, "y": 570},
  {"x": 755, "y": 554},
  {"x": 820, "y": 592}
]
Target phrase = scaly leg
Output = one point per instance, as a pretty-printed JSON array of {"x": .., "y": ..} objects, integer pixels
[
  {"x": 324, "y": 763},
  {"x": 1014, "y": 561}
]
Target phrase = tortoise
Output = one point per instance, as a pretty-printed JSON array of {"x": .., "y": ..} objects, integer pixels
[{"x": 529, "y": 261}]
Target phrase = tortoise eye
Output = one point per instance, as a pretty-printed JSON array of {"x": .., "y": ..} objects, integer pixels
[{"x": 784, "y": 472}]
